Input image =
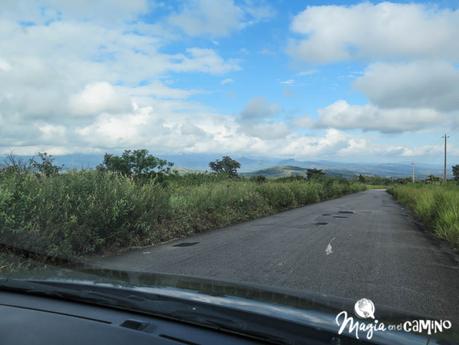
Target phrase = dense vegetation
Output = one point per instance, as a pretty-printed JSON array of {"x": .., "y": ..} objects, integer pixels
[
  {"x": 85, "y": 212},
  {"x": 436, "y": 205}
]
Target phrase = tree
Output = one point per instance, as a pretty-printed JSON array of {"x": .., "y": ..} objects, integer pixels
[
  {"x": 14, "y": 165},
  {"x": 136, "y": 164},
  {"x": 45, "y": 165},
  {"x": 226, "y": 165},
  {"x": 432, "y": 179},
  {"x": 362, "y": 178},
  {"x": 259, "y": 178},
  {"x": 456, "y": 172},
  {"x": 314, "y": 173}
]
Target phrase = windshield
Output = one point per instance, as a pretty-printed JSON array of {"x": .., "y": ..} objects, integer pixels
[{"x": 310, "y": 147}]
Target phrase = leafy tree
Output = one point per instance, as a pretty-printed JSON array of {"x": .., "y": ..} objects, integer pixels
[
  {"x": 13, "y": 165},
  {"x": 456, "y": 172},
  {"x": 259, "y": 178},
  {"x": 226, "y": 165},
  {"x": 432, "y": 179},
  {"x": 44, "y": 165},
  {"x": 314, "y": 173},
  {"x": 378, "y": 180},
  {"x": 406, "y": 180},
  {"x": 136, "y": 164},
  {"x": 362, "y": 178}
]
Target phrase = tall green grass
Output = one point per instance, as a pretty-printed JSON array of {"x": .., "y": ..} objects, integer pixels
[
  {"x": 86, "y": 212},
  {"x": 437, "y": 206}
]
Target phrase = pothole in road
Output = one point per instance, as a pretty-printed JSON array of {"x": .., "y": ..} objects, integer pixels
[
  {"x": 340, "y": 217},
  {"x": 321, "y": 223},
  {"x": 185, "y": 244},
  {"x": 346, "y": 212},
  {"x": 326, "y": 214}
]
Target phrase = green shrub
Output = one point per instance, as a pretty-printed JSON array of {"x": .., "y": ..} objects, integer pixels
[
  {"x": 198, "y": 208},
  {"x": 437, "y": 206},
  {"x": 278, "y": 195},
  {"x": 85, "y": 212},
  {"x": 306, "y": 192},
  {"x": 78, "y": 212}
]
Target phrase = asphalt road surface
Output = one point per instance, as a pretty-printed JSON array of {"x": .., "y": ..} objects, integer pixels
[{"x": 360, "y": 245}]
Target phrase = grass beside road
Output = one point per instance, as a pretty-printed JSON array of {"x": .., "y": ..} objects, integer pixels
[
  {"x": 377, "y": 186},
  {"x": 437, "y": 206},
  {"x": 87, "y": 212}
]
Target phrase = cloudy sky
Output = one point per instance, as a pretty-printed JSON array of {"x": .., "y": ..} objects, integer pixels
[{"x": 340, "y": 80}]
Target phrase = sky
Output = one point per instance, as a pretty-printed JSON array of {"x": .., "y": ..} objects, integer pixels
[{"x": 334, "y": 80}]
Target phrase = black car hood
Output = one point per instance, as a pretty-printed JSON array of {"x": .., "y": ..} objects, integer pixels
[{"x": 304, "y": 308}]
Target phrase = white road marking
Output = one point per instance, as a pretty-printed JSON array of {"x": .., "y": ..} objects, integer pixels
[{"x": 329, "y": 248}]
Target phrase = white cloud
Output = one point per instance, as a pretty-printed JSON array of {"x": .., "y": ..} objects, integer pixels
[
  {"x": 256, "y": 120},
  {"x": 307, "y": 72},
  {"x": 218, "y": 18},
  {"x": 204, "y": 60},
  {"x": 257, "y": 11},
  {"x": 266, "y": 130},
  {"x": 52, "y": 134},
  {"x": 227, "y": 81},
  {"x": 288, "y": 82},
  {"x": 4, "y": 66},
  {"x": 72, "y": 71},
  {"x": 364, "y": 147},
  {"x": 208, "y": 17},
  {"x": 304, "y": 122},
  {"x": 84, "y": 79},
  {"x": 343, "y": 115},
  {"x": 314, "y": 146},
  {"x": 204, "y": 131},
  {"x": 108, "y": 12},
  {"x": 99, "y": 97},
  {"x": 259, "y": 108},
  {"x": 375, "y": 31},
  {"x": 43, "y": 68},
  {"x": 171, "y": 125},
  {"x": 156, "y": 90},
  {"x": 420, "y": 84}
]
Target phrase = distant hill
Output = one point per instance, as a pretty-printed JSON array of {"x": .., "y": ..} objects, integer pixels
[
  {"x": 351, "y": 169},
  {"x": 278, "y": 171},
  {"x": 288, "y": 170}
]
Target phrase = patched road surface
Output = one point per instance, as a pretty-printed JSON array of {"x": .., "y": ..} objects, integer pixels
[{"x": 360, "y": 245}]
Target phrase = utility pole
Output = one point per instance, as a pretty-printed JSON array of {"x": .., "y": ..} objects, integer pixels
[
  {"x": 445, "y": 174},
  {"x": 413, "y": 176}
]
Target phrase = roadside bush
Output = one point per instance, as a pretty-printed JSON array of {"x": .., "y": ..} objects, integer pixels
[
  {"x": 259, "y": 178},
  {"x": 446, "y": 215},
  {"x": 437, "y": 206},
  {"x": 79, "y": 212},
  {"x": 199, "y": 208},
  {"x": 86, "y": 212},
  {"x": 278, "y": 195},
  {"x": 306, "y": 192}
]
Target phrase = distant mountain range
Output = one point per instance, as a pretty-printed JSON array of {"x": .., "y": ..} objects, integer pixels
[
  {"x": 267, "y": 166},
  {"x": 349, "y": 170},
  {"x": 288, "y": 170}
]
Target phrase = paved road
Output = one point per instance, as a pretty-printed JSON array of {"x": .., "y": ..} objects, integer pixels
[{"x": 376, "y": 252}]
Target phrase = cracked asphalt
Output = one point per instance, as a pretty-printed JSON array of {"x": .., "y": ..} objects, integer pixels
[{"x": 359, "y": 245}]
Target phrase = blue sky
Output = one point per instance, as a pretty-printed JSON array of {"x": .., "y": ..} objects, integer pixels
[{"x": 338, "y": 80}]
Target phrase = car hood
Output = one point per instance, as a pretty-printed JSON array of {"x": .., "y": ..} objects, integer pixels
[{"x": 304, "y": 308}]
